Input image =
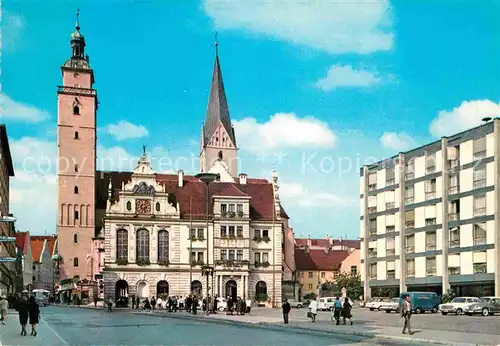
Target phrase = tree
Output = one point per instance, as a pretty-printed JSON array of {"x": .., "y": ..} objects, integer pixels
[{"x": 351, "y": 282}]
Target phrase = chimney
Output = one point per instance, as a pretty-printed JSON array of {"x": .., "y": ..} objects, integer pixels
[
  {"x": 243, "y": 178},
  {"x": 309, "y": 242},
  {"x": 181, "y": 178}
]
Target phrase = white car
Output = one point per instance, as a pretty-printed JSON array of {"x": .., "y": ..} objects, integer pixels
[
  {"x": 390, "y": 305},
  {"x": 376, "y": 303},
  {"x": 326, "y": 303},
  {"x": 458, "y": 305}
]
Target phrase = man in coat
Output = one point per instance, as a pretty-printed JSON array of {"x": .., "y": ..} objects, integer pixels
[
  {"x": 406, "y": 310},
  {"x": 286, "y": 310}
]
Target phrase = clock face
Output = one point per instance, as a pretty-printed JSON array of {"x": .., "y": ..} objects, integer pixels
[{"x": 143, "y": 206}]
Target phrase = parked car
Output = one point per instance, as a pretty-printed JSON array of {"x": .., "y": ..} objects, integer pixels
[
  {"x": 375, "y": 303},
  {"x": 326, "y": 303},
  {"x": 391, "y": 305},
  {"x": 295, "y": 304},
  {"x": 488, "y": 306},
  {"x": 458, "y": 305},
  {"x": 421, "y": 301}
]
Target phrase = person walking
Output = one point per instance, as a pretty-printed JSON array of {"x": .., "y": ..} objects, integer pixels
[
  {"x": 23, "y": 310},
  {"x": 336, "y": 311},
  {"x": 34, "y": 314},
  {"x": 286, "y": 310},
  {"x": 4, "y": 305},
  {"x": 313, "y": 310},
  {"x": 406, "y": 310},
  {"x": 346, "y": 311}
]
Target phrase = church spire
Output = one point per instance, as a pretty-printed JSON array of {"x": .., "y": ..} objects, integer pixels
[
  {"x": 77, "y": 40},
  {"x": 217, "y": 110}
]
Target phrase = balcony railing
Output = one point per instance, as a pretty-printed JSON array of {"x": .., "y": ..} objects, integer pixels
[
  {"x": 453, "y": 163},
  {"x": 372, "y": 210},
  {"x": 410, "y": 224},
  {"x": 454, "y": 243},
  {"x": 453, "y": 216},
  {"x": 389, "y": 182},
  {"x": 373, "y": 276},
  {"x": 431, "y": 272},
  {"x": 430, "y": 246},
  {"x": 430, "y": 221},
  {"x": 479, "y": 183},
  {"x": 390, "y": 205},
  {"x": 430, "y": 195},
  {"x": 410, "y": 273},
  {"x": 372, "y": 232},
  {"x": 390, "y": 252},
  {"x": 372, "y": 253},
  {"x": 409, "y": 200},
  {"x": 480, "y": 241},
  {"x": 479, "y": 211},
  {"x": 480, "y": 268},
  {"x": 409, "y": 176},
  {"x": 479, "y": 155},
  {"x": 391, "y": 274},
  {"x": 410, "y": 249},
  {"x": 454, "y": 271},
  {"x": 452, "y": 190},
  {"x": 430, "y": 169},
  {"x": 372, "y": 187}
]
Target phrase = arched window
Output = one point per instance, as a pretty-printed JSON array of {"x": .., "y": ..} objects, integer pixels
[
  {"x": 76, "y": 167},
  {"x": 129, "y": 206},
  {"x": 260, "y": 288},
  {"x": 220, "y": 154},
  {"x": 75, "y": 262},
  {"x": 76, "y": 215},
  {"x": 121, "y": 244},
  {"x": 142, "y": 245},
  {"x": 76, "y": 134},
  {"x": 75, "y": 238},
  {"x": 163, "y": 246},
  {"x": 157, "y": 206},
  {"x": 76, "y": 190},
  {"x": 76, "y": 110}
]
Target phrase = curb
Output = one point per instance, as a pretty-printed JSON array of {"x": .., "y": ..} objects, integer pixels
[{"x": 357, "y": 336}]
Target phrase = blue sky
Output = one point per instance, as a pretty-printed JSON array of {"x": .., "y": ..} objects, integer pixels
[{"x": 309, "y": 85}]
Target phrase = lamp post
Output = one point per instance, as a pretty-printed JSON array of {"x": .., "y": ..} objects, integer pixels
[
  {"x": 208, "y": 178},
  {"x": 207, "y": 271}
]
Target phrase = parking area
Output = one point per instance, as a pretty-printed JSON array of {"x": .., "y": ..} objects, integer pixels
[{"x": 463, "y": 323}]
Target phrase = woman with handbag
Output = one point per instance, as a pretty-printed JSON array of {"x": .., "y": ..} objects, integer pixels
[{"x": 313, "y": 310}]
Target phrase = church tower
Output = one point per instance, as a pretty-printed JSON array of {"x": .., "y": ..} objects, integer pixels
[
  {"x": 218, "y": 142},
  {"x": 76, "y": 148}
]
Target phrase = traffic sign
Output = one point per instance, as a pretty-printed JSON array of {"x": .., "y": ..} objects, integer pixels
[{"x": 4, "y": 239}]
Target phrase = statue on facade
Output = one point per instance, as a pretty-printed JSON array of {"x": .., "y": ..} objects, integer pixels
[{"x": 143, "y": 189}]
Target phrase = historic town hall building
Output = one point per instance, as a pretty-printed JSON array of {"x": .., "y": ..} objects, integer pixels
[{"x": 147, "y": 234}]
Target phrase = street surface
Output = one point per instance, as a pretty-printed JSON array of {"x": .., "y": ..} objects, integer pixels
[{"x": 80, "y": 326}]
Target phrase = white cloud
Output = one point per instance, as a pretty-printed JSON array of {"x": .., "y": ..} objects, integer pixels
[
  {"x": 397, "y": 141},
  {"x": 124, "y": 130},
  {"x": 345, "y": 76},
  {"x": 283, "y": 130},
  {"x": 332, "y": 26},
  {"x": 295, "y": 193},
  {"x": 468, "y": 114},
  {"x": 12, "y": 28},
  {"x": 16, "y": 111}
]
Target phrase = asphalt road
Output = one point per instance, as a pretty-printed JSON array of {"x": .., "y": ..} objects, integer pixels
[{"x": 73, "y": 326}]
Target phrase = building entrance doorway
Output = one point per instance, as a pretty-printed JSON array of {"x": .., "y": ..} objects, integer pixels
[{"x": 232, "y": 289}]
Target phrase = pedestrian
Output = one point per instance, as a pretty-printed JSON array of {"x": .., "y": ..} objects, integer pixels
[
  {"x": 337, "y": 308},
  {"x": 110, "y": 305},
  {"x": 34, "y": 314},
  {"x": 406, "y": 310},
  {"x": 4, "y": 305},
  {"x": 23, "y": 310},
  {"x": 153, "y": 303},
  {"x": 346, "y": 311},
  {"x": 133, "y": 302},
  {"x": 286, "y": 310},
  {"x": 313, "y": 310}
]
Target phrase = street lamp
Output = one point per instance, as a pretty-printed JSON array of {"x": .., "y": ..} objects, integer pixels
[
  {"x": 207, "y": 271},
  {"x": 208, "y": 178}
]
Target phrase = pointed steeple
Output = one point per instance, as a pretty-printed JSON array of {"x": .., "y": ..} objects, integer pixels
[
  {"x": 217, "y": 110},
  {"x": 78, "y": 57}
]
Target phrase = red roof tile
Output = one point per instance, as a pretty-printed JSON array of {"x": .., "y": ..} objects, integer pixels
[
  {"x": 231, "y": 191},
  {"x": 22, "y": 241},
  {"x": 319, "y": 259},
  {"x": 191, "y": 196},
  {"x": 37, "y": 245},
  {"x": 354, "y": 244}
]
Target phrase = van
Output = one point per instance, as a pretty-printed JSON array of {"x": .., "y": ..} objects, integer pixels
[
  {"x": 326, "y": 303},
  {"x": 421, "y": 301}
]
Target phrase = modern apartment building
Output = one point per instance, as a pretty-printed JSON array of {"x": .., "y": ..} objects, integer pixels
[{"x": 430, "y": 216}]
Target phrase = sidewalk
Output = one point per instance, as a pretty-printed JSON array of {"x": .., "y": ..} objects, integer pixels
[
  {"x": 372, "y": 331},
  {"x": 10, "y": 334}
]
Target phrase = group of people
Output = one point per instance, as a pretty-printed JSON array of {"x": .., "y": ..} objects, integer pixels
[
  {"x": 28, "y": 309},
  {"x": 340, "y": 311}
]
